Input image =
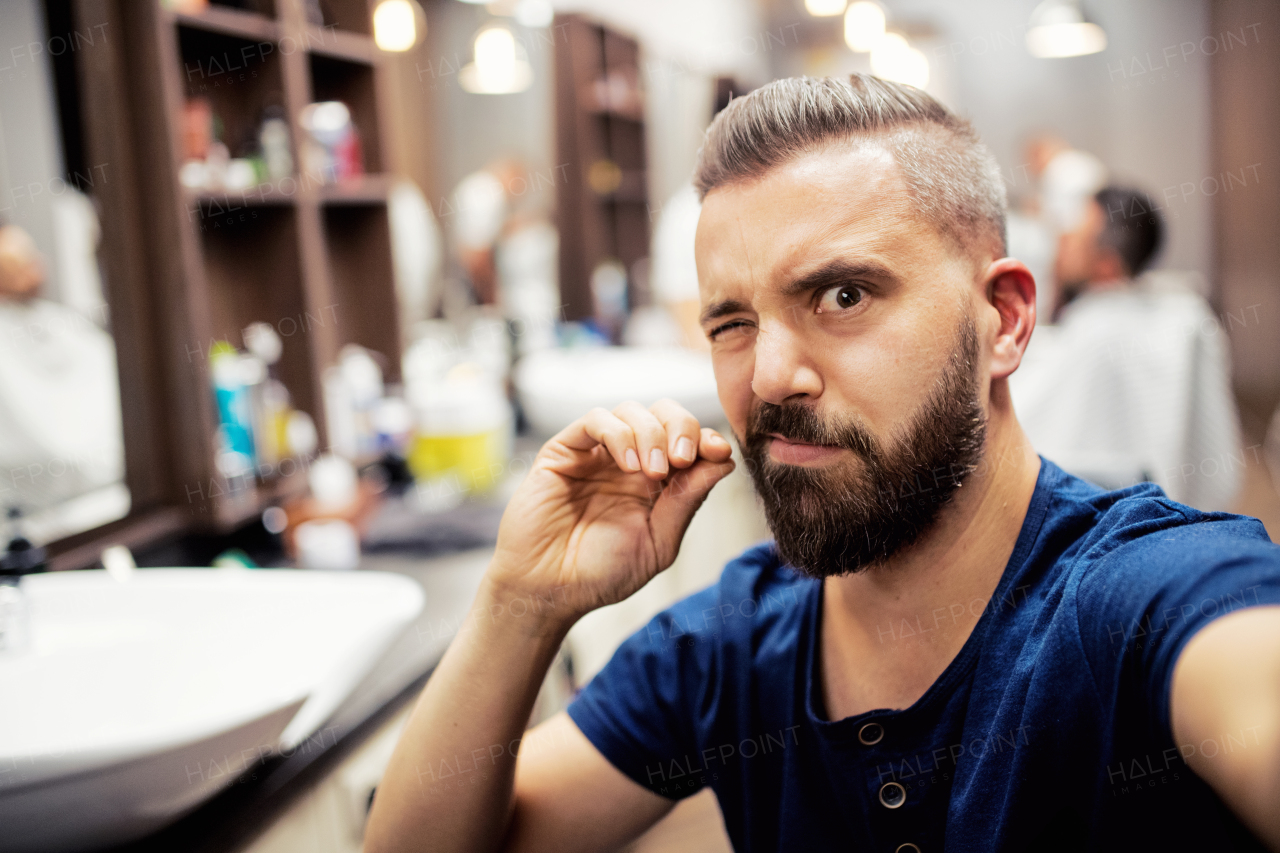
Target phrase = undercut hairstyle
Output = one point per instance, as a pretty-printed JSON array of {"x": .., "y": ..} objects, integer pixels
[
  {"x": 1132, "y": 228},
  {"x": 953, "y": 180}
]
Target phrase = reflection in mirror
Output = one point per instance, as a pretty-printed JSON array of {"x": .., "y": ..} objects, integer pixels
[{"x": 61, "y": 448}]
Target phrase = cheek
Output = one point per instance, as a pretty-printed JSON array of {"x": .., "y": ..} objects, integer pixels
[
  {"x": 733, "y": 385},
  {"x": 885, "y": 376}
]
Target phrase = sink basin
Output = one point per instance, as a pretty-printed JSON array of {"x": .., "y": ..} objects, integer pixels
[{"x": 138, "y": 700}]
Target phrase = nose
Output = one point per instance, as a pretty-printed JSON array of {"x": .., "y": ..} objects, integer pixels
[{"x": 782, "y": 366}]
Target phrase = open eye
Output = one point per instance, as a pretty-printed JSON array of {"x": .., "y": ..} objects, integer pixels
[{"x": 840, "y": 298}]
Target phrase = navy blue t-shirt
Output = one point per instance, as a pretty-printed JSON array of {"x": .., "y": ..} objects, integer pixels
[{"x": 1049, "y": 731}]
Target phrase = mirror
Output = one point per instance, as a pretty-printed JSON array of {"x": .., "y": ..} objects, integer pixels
[{"x": 61, "y": 447}]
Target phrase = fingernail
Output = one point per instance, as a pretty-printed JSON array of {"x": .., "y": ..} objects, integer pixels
[
  {"x": 633, "y": 459},
  {"x": 657, "y": 459},
  {"x": 684, "y": 448}
]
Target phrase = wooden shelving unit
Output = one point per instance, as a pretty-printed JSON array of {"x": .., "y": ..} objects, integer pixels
[
  {"x": 603, "y": 210},
  {"x": 186, "y": 268}
]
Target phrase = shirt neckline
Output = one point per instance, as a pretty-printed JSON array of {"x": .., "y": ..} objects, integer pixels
[{"x": 846, "y": 728}]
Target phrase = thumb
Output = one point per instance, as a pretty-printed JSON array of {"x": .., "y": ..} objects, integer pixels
[{"x": 680, "y": 499}]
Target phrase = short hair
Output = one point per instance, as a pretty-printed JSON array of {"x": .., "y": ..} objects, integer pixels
[
  {"x": 1132, "y": 227},
  {"x": 953, "y": 180}
]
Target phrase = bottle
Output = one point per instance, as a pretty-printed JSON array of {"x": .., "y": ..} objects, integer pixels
[{"x": 274, "y": 139}]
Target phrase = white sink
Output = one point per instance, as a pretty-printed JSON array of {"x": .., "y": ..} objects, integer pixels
[{"x": 138, "y": 700}]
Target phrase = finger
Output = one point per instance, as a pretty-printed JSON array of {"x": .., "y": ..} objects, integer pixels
[
  {"x": 601, "y": 427},
  {"x": 678, "y": 502},
  {"x": 681, "y": 427},
  {"x": 651, "y": 438},
  {"x": 714, "y": 446}
]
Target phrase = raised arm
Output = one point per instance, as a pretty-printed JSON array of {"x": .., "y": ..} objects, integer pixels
[
  {"x": 602, "y": 511},
  {"x": 1227, "y": 682}
]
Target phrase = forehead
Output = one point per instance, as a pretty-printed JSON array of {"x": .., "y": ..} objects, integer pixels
[{"x": 847, "y": 201}]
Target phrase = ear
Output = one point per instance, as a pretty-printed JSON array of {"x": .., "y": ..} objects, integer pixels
[{"x": 1011, "y": 290}]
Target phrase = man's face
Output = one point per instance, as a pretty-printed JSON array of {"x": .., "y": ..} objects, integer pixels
[
  {"x": 843, "y": 322},
  {"x": 1079, "y": 252},
  {"x": 21, "y": 269}
]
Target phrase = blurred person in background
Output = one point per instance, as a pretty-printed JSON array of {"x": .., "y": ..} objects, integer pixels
[
  {"x": 1062, "y": 181},
  {"x": 60, "y": 432},
  {"x": 508, "y": 248},
  {"x": 1134, "y": 384},
  {"x": 482, "y": 208}
]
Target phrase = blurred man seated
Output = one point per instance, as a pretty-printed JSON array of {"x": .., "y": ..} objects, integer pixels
[
  {"x": 1133, "y": 384},
  {"x": 61, "y": 445}
]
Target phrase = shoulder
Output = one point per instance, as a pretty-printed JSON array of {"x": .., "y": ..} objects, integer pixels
[{"x": 1120, "y": 549}]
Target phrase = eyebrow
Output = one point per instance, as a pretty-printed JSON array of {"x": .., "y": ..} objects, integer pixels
[{"x": 833, "y": 272}]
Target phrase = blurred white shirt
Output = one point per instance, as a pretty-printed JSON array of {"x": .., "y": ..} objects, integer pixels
[
  {"x": 480, "y": 210},
  {"x": 1134, "y": 384}
]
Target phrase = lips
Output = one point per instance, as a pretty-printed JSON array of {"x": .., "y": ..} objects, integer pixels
[{"x": 794, "y": 452}]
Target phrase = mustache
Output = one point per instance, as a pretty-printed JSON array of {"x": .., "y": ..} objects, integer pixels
[{"x": 800, "y": 422}]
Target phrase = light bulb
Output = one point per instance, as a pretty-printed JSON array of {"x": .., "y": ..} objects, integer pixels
[
  {"x": 824, "y": 8},
  {"x": 1058, "y": 28},
  {"x": 893, "y": 58},
  {"x": 497, "y": 69},
  {"x": 398, "y": 25},
  {"x": 863, "y": 26}
]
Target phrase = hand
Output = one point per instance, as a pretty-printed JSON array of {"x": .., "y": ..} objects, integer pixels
[{"x": 605, "y": 505}]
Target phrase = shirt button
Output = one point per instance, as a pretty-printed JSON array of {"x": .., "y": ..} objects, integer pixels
[
  {"x": 892, "y": 795},
  {"x": 907, "y": 848},
  {"x": 870, "y": 734}
]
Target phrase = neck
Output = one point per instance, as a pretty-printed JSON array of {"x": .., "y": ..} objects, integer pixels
[{"x": 915, "y": 611}]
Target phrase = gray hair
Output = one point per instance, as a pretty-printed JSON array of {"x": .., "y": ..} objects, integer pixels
[{"x": 953, "y": 179}]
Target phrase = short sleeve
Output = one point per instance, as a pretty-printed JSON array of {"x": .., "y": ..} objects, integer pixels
[
  {"x": 640, "y": 709},
  {"x": 1143, "y": 601}
]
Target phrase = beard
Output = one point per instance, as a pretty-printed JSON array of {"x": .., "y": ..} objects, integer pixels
[{"x": 842, "y": 519}]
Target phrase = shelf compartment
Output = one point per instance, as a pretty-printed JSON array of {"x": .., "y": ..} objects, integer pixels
[
  {"x": 253, "y": 273},
  {"x": 240, "y": 77},
  {"x": 358, "y": 242},
  {"x": 354, "y": 84}
]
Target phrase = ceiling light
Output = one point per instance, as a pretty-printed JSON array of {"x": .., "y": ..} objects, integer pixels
[
  {"x": 535, "y": 13},
  {"x": 863, "y": 26},
  {"x": 894, "y": 59},
  {"x": 398, "y": 25},
  {"x": 499, "y": 67},
  {"x": 1058, "y": 28},
  {"x": 824, "y": 8}
]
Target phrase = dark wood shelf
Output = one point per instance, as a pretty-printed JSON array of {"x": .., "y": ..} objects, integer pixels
[
  {"x": 352, "y": 16},
  {"x": 599, "y": 119},
  {"x": 190, "y": 267},
  {"x": 230, "y": 22},
  {"x": 339, "y": 44},
  {"x": 358, "y": 251},
  {"x": 259, "y": 196},
  {"x": 367, "y": 189}
]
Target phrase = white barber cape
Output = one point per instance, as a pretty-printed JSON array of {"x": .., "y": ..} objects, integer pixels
[{"x": 1134, "y": 384}]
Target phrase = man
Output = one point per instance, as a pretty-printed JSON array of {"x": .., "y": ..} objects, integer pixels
[
  {"x": 482, "y": 203},
  {"x": 60, "y": 431},
  {"x": 1133, "y": 382},
  {"x": 951, "y": 645}
]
